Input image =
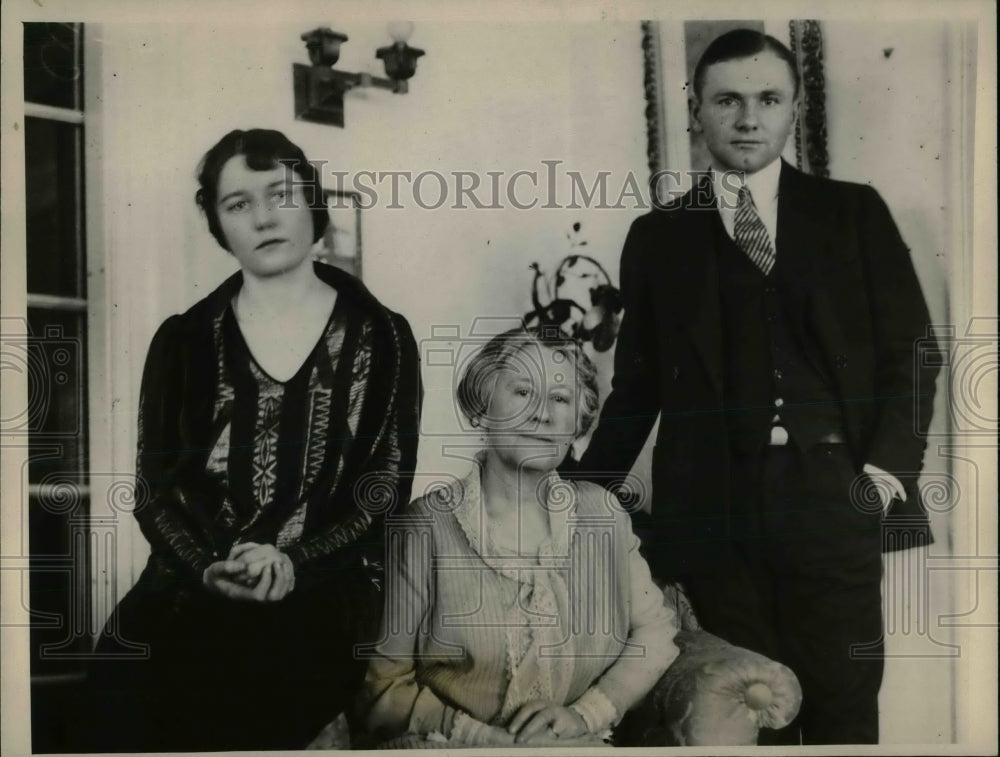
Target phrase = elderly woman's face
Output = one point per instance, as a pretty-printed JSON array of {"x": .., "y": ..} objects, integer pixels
[
  {"x": 533, "y": 410},
  {"x": 265, "y": 217}
]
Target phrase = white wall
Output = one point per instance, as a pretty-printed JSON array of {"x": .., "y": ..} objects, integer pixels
[{"x": 893, "y": 93}]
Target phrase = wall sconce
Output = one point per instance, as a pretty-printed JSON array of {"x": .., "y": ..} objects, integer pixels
[{"x": 319, "y": 88}]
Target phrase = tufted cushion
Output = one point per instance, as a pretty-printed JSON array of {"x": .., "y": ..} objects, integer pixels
[{"x": 714, "y": 694}]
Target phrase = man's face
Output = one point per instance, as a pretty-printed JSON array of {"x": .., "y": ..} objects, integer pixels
[{"x": 745, "y": 111}]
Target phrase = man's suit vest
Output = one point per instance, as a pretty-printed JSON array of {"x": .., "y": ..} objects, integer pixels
[{"x": 770, "y": 369}]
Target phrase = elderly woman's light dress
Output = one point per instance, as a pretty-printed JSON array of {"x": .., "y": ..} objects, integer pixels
[{"x": 518, "y": 607}]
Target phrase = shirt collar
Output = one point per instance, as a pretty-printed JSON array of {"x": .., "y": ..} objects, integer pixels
[{"x": 763, "y": 186}]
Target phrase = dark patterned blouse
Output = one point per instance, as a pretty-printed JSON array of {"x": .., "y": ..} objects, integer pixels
[
  {"x": 228, "y": 454},
  {"x": 272, "y": 438}
]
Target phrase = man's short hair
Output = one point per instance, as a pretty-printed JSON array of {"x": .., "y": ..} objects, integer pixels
[{"x": 742, "y": 43}]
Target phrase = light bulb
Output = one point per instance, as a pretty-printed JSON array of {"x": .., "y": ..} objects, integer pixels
[{"x": 400, "y": 31}]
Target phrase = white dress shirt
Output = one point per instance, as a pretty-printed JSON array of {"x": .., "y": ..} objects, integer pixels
[{"x": 763, "y": 187}]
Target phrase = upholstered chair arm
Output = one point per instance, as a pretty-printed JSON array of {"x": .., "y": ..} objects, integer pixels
[{"x": 714, "y": 694}]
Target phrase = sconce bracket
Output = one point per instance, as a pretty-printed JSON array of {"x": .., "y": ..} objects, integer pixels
[{"x": 319, "y": 92}]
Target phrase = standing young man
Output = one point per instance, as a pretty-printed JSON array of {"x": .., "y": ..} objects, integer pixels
[{"x": 771, "y": 319}]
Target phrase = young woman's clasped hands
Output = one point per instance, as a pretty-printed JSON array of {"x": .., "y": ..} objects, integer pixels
[{"x": 252, "y": 572}]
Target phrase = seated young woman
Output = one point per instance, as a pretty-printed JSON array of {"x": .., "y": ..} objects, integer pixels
[
  {"x": 277, "y": 425},
  {"x": 518, "y": 609}
]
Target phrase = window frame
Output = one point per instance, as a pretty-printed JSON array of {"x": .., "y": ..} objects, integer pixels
[{"x": 78, "y": 562}]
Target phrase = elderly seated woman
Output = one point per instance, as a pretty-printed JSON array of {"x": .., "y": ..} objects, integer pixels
[{"x": 518, "y": 607}]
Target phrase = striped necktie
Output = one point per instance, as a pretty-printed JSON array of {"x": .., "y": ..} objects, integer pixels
[{"x": 750, "y": 233}]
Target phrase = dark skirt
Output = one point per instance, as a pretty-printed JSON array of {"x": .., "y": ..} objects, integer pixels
[{"x": 228, "y": 675}]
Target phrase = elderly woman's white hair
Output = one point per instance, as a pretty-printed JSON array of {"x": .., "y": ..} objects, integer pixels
[{"x": 504, "y": 350}]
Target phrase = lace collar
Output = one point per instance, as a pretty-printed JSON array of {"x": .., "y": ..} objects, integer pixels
[{"x": 466, "y": 497}]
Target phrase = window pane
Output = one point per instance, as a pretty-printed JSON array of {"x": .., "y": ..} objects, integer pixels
[
  {"x": 58, "y": 583},
  {"x": 53, "y": 65},
  {"x": 56, "y": 393},
  {"x": 52, "y": 177}
]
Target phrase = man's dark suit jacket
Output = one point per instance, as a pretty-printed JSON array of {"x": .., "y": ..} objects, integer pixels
[{"x": 857, "y": 307}]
